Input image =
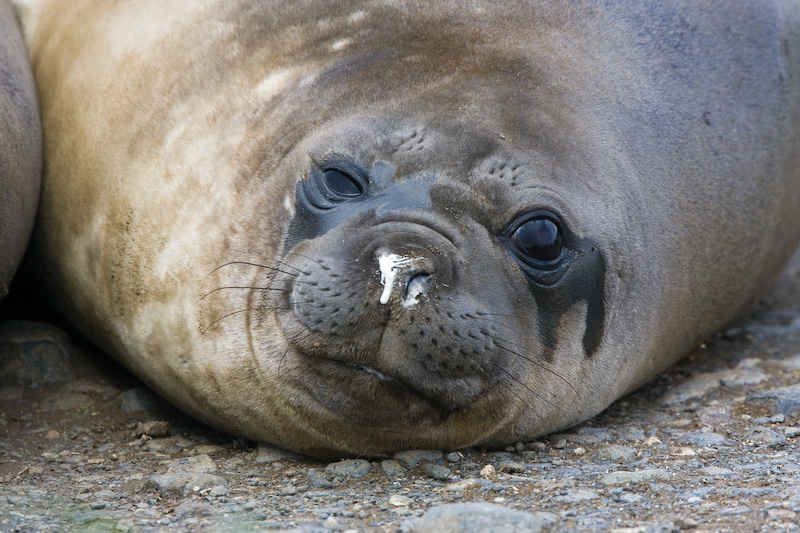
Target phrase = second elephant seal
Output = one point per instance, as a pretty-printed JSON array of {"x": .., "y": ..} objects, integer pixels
[{"x": 20, "y": 147}]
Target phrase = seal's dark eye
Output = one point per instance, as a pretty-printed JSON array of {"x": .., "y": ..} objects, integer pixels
[
  {"x": 538, "y": 239},
  {"x": 341, "y": 183}
]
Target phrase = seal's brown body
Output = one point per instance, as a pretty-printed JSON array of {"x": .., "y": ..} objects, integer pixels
[{"x": 359, "y": 227}]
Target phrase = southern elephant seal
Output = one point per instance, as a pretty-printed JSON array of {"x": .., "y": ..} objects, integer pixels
[
  {"x": 20, "y": 147},
  {"x": 358, "y": 227}
]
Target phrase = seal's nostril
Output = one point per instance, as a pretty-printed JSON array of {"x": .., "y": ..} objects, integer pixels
[{"x": 417, "y": 284}]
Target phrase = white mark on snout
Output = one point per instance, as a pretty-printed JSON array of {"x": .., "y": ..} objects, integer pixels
[
  {"x": 341, "y": 43},
  {"x": 416, "y": 287},
  {"x": 288, "y": 205},
  {"x": 390, "y": 265}
]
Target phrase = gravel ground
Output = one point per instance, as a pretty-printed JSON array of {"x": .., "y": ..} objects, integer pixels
[{"x": 711, "y": 445}]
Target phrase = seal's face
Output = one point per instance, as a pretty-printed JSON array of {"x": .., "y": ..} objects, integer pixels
[{"x": 413, "y": 290}]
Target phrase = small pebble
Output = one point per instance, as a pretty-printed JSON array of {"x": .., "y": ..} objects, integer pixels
[
  {"x": 355, "y": 468},
  {"x": 454, "y": 457},
  {"x": 511, "y": 466},
  {"x": 792, "y": 432},
  {"x": 399, "y": 500},
  {"x": 686, "y": 523},
  {"x": 393, "y": 469},
  {"x": 412, "y": 458},
  {"x": 622, "y": 477},
  {"x": 437, "y": 472},
  {"x": 616, "y": 453},
  {"x": 537, "y": 446},
  {"x": 289, "y": 490},
  {"x": 487, "y": 471},
  {"x": 155, "y": 428},
  {"x": 318, "y": 480}
]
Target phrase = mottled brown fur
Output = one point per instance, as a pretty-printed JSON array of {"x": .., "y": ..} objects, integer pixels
[{"x": 175, "y": 134}]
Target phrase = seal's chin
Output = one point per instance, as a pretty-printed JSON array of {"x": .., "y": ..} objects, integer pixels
[{"x": 371, "y": 397}]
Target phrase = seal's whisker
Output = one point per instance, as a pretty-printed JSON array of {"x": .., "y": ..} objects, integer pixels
[
  {"x": 243, "y": 287},
  {"x": 534, "y": 362},
  {"x": 504, "y": 315},
  {"x": 248, "y": 263},
  {"x": 255, "y": 308},
  {"x": 439, "y": 114},
  {"x": 293, "y": 340},
  {"x": 203, "y": 332},
  {"x": 317, "y": 261},
  {"x": 498, "y": 323},
  {"x": 496, "y": 385}
]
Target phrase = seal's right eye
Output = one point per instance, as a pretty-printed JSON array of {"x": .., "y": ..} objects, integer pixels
[
  {"x": 538, "y": 240},
  {"x": 342, "y": 184}
]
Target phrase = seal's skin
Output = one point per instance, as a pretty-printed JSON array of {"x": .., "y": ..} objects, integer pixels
[
  {"x": 20, "y": 147},
  {"x": 358, "y": 227}
]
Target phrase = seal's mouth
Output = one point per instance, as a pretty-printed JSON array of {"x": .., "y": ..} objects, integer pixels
[
  {"x": 396, "y": 387},
  {"x": 367, "y": 370}
]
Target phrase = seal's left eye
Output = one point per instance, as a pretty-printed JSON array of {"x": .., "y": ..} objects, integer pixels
[{"x": 341, "y": 183}]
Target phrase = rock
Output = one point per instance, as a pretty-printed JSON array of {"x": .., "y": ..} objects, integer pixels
[
  {"x": 66, "y": 401},
  {"x": 318, "y": 480},
  {"x": 616, "y": 453},
  {"x": 701, "y": 438},
  {"x": 717, "y": 415},
  {"x": 744, "y": 374},
  {"x": 567, "y": 472},
  {"x": 782, "y": 514},
  {"x": 141, "y": 399},
  {"x": 488, "y": 471},
  {"x": 575, "y": 496},
  {"x": 511, "y": 466},
  {"x": 155, "y": 428},
  {"x": 786, "y": 399},
  {"x": 393, "y": 469},
  {"x": 577, "y": 438},
  {"x": 686, "y": 523},
  {"x": 412, "y": 458},
  {"x": 537, "y": 446},
  {"x": 267, "y": 453},
  {"x": 191, "y": 508},
  {"x": 197, "y": 464},
  {"x": 792, "y": 364},
  {"x": 219, "y": 491},
  {"x": 466, "y": 483},
  {"x": 173, "y": 484},
  {"x": 35, "y": 352},
  {"x": 764, "y": 435},
  {"x": 437, "y": 472},
  {"x": 622, "y": 477},
  {"x": 715, "y": 471},
  {"x": 454, "y": 457},
  {"x": 355, "y": 468},
  {"x": 692, "y": 389},
  {"x": 209, "y": 449},
  {"x": 399, "y": 500},
  {"x": 483, "y": 517},
  {"x": 289, "y": 490}
]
